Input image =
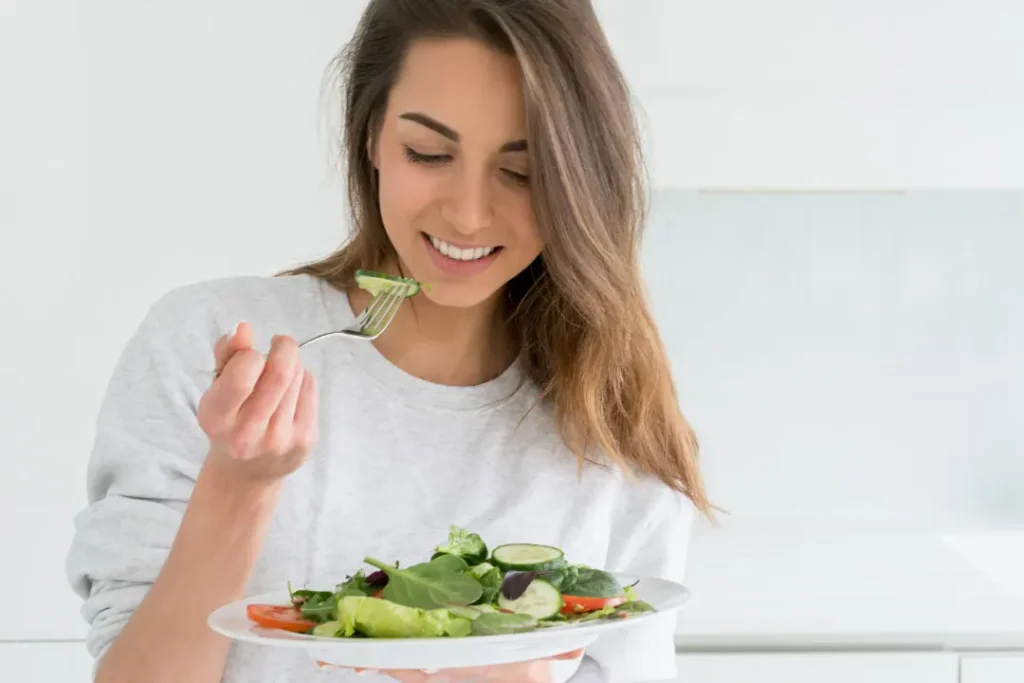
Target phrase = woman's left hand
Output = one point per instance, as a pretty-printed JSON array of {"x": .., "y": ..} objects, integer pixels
[{"x": 535, "y": 671}]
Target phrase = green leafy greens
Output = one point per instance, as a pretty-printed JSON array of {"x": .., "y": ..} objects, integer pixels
[
  {"x": 442, "y": 581},
  {"x": 462, "y": 591}
]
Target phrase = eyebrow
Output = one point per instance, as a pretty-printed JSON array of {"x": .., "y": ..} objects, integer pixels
[{"x": 446, "y": 131}]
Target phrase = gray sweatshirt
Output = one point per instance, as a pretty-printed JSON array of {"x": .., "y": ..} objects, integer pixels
[{"x": 399, "y": 459}]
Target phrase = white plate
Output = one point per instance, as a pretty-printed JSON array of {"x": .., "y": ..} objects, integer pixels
[{"x": 442, "y": 653}]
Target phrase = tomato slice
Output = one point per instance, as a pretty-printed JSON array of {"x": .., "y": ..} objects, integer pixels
[
  {"x": 277, "y": 616},
  {"x": 576, "y": 604}
]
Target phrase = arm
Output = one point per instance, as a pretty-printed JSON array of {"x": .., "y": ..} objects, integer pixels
[
  {"x": 211, "y": 559},
  {"x": 149, "y": 567}
]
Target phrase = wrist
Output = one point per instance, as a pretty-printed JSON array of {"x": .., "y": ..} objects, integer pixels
[{"x": 219, "y": 487}]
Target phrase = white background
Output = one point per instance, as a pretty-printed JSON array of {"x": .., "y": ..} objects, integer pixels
[{"x": 850, "y": 352}]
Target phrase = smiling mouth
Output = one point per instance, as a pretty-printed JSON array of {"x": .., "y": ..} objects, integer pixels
[{"x": 457, "y": 253}]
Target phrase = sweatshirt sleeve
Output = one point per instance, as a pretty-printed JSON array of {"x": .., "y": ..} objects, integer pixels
[
  {"x": 146, "y": 455},
  {"x": 647, "y": 542}
]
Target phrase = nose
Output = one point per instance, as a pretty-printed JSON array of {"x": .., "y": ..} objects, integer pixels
[{"x": 469, "y": 209}]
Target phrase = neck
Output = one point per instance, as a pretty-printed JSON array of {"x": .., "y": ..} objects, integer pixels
[{"x": 443, "y": 344}]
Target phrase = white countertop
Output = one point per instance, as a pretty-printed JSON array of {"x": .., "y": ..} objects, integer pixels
[{"x": 794, "y": 586}]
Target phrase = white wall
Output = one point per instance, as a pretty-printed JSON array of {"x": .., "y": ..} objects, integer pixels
[
  {"x": 148, "y": 144},
  {"x": 849, "y": 357},
  {"x": 827, "y": 93}
]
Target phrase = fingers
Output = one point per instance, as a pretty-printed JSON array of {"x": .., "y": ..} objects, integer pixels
[
  {"x": 537, "y": 671},
  {"x": 279, "y": 430},
  {"x": 243, "y": 335},
  {"x": 219, "y": 357},
  {"x": 236, "y": 382},
  {"x": 306, "y": 426},
  {"x": 406, "y": 676},
  {"x": 281, "y": 365},
  {"x": 228, "y": 346}
]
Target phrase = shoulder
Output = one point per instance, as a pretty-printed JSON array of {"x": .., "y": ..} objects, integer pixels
[
  {"x": 181, "y": 327},
  {"x": 293, "y": 295},
  {"x": 203, "y": 311}
]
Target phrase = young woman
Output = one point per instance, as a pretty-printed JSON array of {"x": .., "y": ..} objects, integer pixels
[{"x": 491, "y": 153}]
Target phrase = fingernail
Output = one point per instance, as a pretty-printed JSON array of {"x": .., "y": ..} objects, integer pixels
[{"x": 237, "y": 326}]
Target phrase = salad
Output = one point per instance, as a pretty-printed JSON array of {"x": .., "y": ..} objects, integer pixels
[{"x": 462, "y": 590}]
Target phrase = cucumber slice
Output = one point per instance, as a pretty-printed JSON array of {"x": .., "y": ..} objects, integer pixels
[
  {"x": 527, "y": 557},
  {"x": 541, "y": 600},
  {"x": 375, "y": 283}
]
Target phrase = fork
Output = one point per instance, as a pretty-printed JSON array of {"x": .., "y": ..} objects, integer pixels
[
  {"x": 370, "y": 324},
  {"x": 374, "y": 319}
]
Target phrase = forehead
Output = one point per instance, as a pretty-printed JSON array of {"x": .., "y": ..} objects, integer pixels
[{"x": 464, "y": 84}]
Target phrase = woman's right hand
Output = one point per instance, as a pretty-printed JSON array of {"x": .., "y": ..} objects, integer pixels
[{"x": 260, "y": 413}]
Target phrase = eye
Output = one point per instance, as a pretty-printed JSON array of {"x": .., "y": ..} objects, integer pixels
[
  {"x": 517, "y": 178},
  {"x": 427, "y": 159}
]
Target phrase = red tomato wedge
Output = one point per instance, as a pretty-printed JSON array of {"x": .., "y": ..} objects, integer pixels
[
  {"x": 576, "y": 604},
  {"x": 276, "y": 616}
]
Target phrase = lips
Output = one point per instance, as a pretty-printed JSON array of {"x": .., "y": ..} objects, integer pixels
[
  {"x": 462, "y": 260},
  {"x": 460, "y": 253}
]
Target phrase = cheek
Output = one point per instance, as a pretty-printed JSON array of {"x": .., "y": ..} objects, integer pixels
[
  {"x": 405, "y": 194},
  {"x": 520, "y": 212}
]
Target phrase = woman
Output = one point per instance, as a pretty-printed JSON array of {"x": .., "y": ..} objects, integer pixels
[{"x": 491, "y": 153}]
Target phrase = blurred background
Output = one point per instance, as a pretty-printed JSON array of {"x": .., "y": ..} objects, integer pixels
[{"x": 835, "y": 256}]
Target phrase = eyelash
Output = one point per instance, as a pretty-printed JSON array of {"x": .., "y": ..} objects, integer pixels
[
  {"x": 426, "y": 159},
  {"x": 440, "y": 159}
]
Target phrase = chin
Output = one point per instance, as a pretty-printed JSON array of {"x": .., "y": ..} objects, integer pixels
[{"x": 455, "y": 295}]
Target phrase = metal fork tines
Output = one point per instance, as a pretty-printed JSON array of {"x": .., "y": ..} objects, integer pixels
[{"x": 374, "y": 319}]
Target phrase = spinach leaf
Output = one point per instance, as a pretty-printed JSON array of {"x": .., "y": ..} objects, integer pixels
[
  {"x": 490, "y": 579},
  {"x": 635, "y": 607},
  {"x": 594, "y": 583},
  {"x": 430, "y": 585},
  {"x": 301, "y": 597},
  {"x": 562, "y": 577},
  {"x": 357, "y": 584},
  {"x": 469, "y": 547},
  {"x": 500, "y": 623},
  {"x": 319, "y": 608}
]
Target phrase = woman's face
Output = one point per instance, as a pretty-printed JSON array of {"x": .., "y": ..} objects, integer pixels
[{"x": 454, "y": 171}]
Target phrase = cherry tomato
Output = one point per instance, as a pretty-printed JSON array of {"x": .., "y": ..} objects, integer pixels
[
  {"x": 277, "y": 616},
  {"x": 575, "y": 604}
]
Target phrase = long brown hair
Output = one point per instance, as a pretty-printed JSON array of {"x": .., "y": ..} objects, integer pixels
[{"x": 579, "y": 311}]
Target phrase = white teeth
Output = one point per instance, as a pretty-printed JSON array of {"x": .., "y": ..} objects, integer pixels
[{"x": 460, "y": 254}]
